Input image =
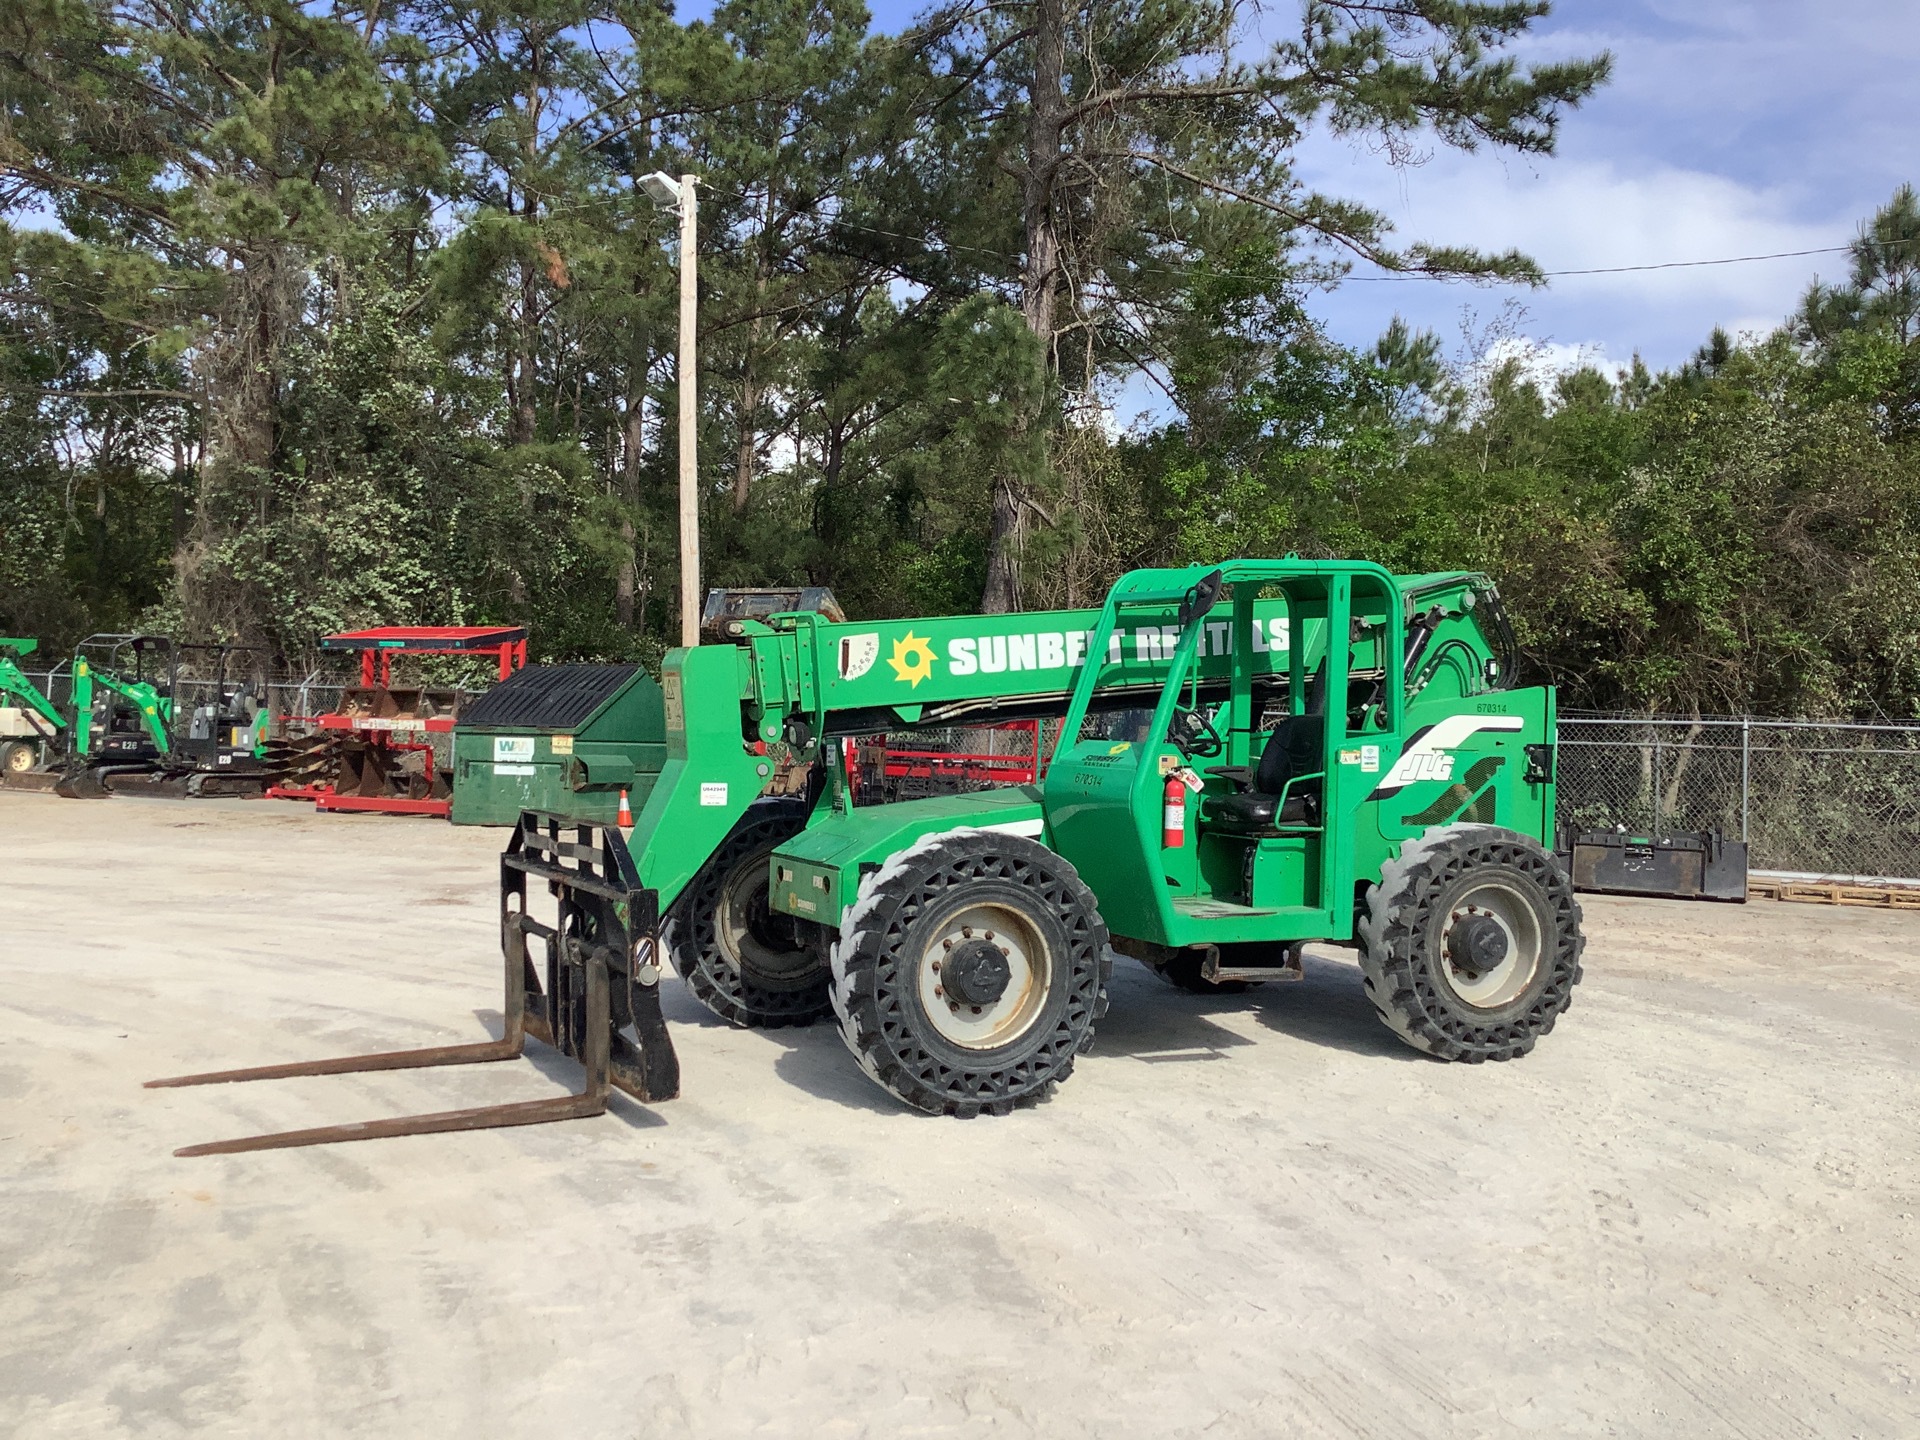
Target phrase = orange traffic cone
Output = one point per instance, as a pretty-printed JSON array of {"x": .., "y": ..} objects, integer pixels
[{"x": 626, "y": 812}]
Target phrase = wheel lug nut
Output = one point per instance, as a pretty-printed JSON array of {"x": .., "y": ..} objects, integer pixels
[
  {"x": 976, "y": 1009},
  {"x": 946, "y": 944},
  {"x": 936, "y": 967},
  {"x": 967, "y": 931},
  {"x": 1006, "y": 952},
  {"x": 938, "y": 993}
]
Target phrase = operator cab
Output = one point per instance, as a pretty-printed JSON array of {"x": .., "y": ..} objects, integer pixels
[
  {"x": 1280, "y": 729},
  {"x": 1261, "y": 824},
  {"x": 1276, "y": 776},
  {"x": 1284, "y": 787}
]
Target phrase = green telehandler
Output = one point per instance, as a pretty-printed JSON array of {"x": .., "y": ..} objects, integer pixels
[
  {"x": 28, "y": 728},
  {"x": 1251, "y": 757}
]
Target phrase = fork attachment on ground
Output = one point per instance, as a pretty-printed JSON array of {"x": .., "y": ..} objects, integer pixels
[{"x": 602, "y": 975}]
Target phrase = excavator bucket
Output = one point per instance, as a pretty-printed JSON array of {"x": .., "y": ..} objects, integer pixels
[
  {"x": 601, "y": 976},
  {"x": 80, "y": 782}
]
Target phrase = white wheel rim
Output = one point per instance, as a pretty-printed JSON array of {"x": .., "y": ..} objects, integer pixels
[
  {"x": 1505, "y": 982},
  {"x": 987, "y": 1027}
]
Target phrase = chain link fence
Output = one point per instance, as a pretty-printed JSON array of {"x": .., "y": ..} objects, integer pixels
[
  {"x": 1807, "y": 797},
  {"x": 953, "y": 760}
]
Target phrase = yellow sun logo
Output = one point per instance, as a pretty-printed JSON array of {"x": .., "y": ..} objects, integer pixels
[{"x": 912, "y": 659}]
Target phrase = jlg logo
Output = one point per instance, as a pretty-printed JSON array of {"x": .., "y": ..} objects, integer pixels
[
  {"x": 1431, "y": 756},
  {"x": 1420, "y": 764}
]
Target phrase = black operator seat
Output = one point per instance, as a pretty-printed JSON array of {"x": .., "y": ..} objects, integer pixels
[{"x": 1294, "y": 748}]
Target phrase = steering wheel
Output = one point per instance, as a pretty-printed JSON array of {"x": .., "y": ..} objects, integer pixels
[{"x": 1193, "y": 734}]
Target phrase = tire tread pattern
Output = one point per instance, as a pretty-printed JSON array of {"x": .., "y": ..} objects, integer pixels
[
  {"x": 691, "y": 937},
  {"x": 1392, "y": 931},
  {"x": 870, "y": 972}
]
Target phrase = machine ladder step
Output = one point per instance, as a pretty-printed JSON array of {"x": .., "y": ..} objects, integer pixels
[
  {"x": 1203, "y": 907},
  {"x": 1288, "y": 968}
]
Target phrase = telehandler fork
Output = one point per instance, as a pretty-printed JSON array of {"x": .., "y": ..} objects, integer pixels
[{"x": 598, "y": 978}]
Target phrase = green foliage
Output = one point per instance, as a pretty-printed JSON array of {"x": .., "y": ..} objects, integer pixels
[
  {"x": 318, "y": 316},
  {"x": 1742, "y": 535}
]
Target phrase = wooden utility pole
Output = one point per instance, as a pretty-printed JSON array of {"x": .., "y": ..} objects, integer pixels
[{"x": 689, "y": 419}]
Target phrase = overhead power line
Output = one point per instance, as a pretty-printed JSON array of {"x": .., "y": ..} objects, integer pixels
[
  {"x": 1666, "y": 264},
  {"x": 933, "y": 243},
  {"x": 937, "y": 243},
  {"x": 1694, "y": 264}
]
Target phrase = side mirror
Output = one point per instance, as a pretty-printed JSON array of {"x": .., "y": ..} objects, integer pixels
[{"x": 1200, "y": 599}]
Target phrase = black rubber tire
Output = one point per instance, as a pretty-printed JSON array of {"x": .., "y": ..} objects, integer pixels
[
  {"x": 727, "y": 982},
  {"x": 898, "y": 915},
  {"x": 1407, "y": 972},
  {"x": 16, "y": 757}
]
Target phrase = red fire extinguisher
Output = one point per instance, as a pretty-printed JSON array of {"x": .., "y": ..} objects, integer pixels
[{"x": 1173, "y": 822}]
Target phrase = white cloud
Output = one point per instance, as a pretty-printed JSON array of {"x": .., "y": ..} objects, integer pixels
[
  {"x": 1541, "y": 362},
  {"x": 1598, "y": 215},
  {"x": 1594, "y": 215},
  {"x": 1752, "y": 89}
]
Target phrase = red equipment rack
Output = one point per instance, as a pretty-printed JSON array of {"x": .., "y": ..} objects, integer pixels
[
  {"x": 377, "y": 647},
  {"x": 879, "y": 767},
  {"x": 507, "y": 642},
  {"x": 972, "y": 766}
]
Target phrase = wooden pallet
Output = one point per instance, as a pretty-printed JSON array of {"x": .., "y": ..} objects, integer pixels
[{"x": 1832, "y": 892}]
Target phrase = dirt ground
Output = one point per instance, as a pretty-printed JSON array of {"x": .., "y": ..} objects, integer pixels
[{"x": 1689, "y": 1213}]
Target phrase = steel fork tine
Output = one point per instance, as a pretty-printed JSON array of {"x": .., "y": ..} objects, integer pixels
[
  {"x": 509, "y": 1046},
  {"x": 466, "y": 1054},
  {"x": 483, "y": 1117},
  {"x": 576, "y": 1024},
  {"x": 592, "y": 1100}
]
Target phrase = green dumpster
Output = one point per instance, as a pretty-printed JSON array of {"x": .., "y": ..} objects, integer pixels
[{"x": 561, "y": 738}]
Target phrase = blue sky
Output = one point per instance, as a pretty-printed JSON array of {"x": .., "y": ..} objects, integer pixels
[
  {"x": 1732, "y": 127},
  {"x": 1729, "y": 129}
]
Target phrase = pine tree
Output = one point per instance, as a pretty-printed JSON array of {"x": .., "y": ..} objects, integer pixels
[
  {"x": 225, "y": 154},
  {"x": 1133, "y": 138}
]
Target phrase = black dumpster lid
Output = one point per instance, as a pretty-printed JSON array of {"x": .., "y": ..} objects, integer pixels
[{"x": 546, "y": 697}]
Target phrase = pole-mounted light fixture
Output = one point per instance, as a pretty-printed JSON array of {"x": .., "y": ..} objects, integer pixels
[{"x": 662, "y": 189}]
